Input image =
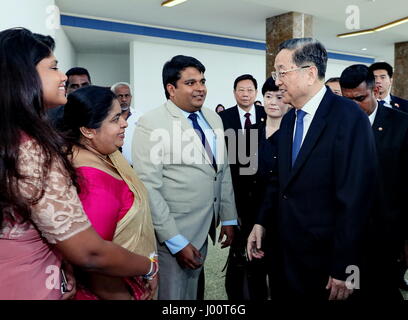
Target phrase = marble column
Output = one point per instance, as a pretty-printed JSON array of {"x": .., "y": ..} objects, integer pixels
[
  {"x": 283, "y": 27},
  {"x": 400, "y": 78}
]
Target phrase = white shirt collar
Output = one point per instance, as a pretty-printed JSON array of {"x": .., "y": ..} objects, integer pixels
[
  {"x": 387, "y": 99},
  {"x": 311, "y": 106},
  {"x": 371, "y": 117},
  {"x": 186, "y": 114},
  {"x": 242, "y": 112}
]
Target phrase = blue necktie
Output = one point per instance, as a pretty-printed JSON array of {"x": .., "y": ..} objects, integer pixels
[
  {"x": 297, "y": 140},
  {"x": 200, "y": 133}
]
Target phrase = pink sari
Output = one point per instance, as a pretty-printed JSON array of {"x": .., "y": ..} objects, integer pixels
[{"x": 118, "y": 211}]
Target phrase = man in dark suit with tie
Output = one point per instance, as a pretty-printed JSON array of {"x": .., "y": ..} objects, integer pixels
[
  {"x": 237, "y": 122},
  {"x": 326, "y": 182},
  {"x": 383, "y": 81},
  {"x": 389, "y": 230}
]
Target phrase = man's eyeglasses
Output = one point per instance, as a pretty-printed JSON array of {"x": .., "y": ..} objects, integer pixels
[{"x": 281, "y": 74}]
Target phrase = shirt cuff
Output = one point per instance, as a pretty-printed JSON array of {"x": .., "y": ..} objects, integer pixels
[
  {"x": 229, "y": 223},
  {"x": 176, "y": 243}
]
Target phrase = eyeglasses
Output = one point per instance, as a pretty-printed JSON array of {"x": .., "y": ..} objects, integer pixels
[{"x": 281, "y": 74}]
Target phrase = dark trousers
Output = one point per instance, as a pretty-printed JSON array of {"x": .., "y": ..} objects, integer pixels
[{"x": 245, "y": 280}]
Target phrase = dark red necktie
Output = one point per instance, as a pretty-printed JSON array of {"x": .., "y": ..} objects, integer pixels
[{"x": 248, "y": 123}]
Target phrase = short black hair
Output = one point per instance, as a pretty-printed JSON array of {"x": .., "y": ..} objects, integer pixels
[
  {"x": 382, "y": 66},
  {"x": 334, "y": 79},
  {"x": 269, "y": 85},
  {"x": 172, "y": 68},
  {"x": 246, "y": 77},
  {"x": 77, "y": 71},
  {"x": 353, "y": 76}
]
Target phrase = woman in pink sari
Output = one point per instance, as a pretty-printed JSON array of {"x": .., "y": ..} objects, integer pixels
[
  {"x": 114, "y": 199},
  {"x": 43, "y": 228}
]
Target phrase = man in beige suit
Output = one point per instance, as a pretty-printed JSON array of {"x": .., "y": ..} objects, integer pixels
[{"x": 179, "y": 153}]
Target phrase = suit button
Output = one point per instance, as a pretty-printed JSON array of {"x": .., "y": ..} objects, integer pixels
[
  {"x": 215, "y": 199},
  {"x": 285, "y": 197},
  {"x": 215, "y": 178}
]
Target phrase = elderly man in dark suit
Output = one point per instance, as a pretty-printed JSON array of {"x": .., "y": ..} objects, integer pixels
[
  {"x": 326, "y": 181},
  {"x": 237, "y": 123},
  {"x": 390, "y": 129}
]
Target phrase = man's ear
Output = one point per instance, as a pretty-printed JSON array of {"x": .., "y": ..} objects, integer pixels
[
  {"x": 171, "y": 89},
  {"x": 87, "y": 132},
  {"x": 313, "y": 75}
]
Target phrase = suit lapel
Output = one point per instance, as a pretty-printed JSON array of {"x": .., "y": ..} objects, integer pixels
[
  {"x": 219, "y": 136},
  {"x": 315, "y": 130},
  {"x": 235, "y": 120},
  {"x": 180, "y": 119},
  {"x": 285, "y": 146},
  {"x": 380, "y": 123},
  {"x": 260, "y": 114}
]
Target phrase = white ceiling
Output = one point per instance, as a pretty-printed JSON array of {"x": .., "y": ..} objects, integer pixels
[{"x": 243, "y": 19}]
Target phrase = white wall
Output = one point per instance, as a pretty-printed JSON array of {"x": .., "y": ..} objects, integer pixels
[
  {"x": 26, "y": 13},
  {"x": 39, "y": 16},
  {"x": 222, "y": 64},
  {"x": 105, "y": 69},
  {"x": 336, "y": 67},
  {"x": 64, "y": 51}
]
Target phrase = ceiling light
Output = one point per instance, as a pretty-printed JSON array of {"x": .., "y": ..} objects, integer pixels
[
  {"x": 355, "y": 33},
  {"x": 364, "y": 49},
  {"x": 171, "y": 3},
  {"x": 392, "y": 24},
  {"x": 376, "y": 29}
]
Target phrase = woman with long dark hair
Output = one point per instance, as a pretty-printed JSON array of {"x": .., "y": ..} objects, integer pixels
[{"x": 42, "y": 221}]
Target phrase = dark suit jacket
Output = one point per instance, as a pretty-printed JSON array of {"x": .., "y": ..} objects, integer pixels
[
  {"x": 388, "y": 226},
  {"x": 399, "y": 103},
  {"x": 325, "y": 199},
  {"x": 243, "y": 195},
  {"x": 390, "y": 129}
]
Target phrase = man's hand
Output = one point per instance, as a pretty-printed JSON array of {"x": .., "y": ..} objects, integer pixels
[
  {"x": 254, "y": 242},
  {"x": 339, "y": 291},
  {"x": 227, "y": 231},
  {"x": 189, "y": 257}
]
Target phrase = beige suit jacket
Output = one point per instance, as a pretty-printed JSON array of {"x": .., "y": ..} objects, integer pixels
[{"x": 185, "y": 192}]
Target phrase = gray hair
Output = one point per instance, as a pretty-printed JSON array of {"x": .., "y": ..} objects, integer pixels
[
  {"x": 120, "y": 84},
  {"x": 307, "y": 50}
]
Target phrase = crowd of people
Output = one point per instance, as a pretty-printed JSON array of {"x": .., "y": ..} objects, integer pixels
[{"x": 307, "y": 187}]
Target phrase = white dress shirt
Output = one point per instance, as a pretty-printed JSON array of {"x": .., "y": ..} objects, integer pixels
[
  {"x": 371, "y": 117},
  {"x": 127, "y": 144},
  {"x": 387, "y": 100},
  {"x": 242, "y": 117},
  {"x": 310, "y": 108}
]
